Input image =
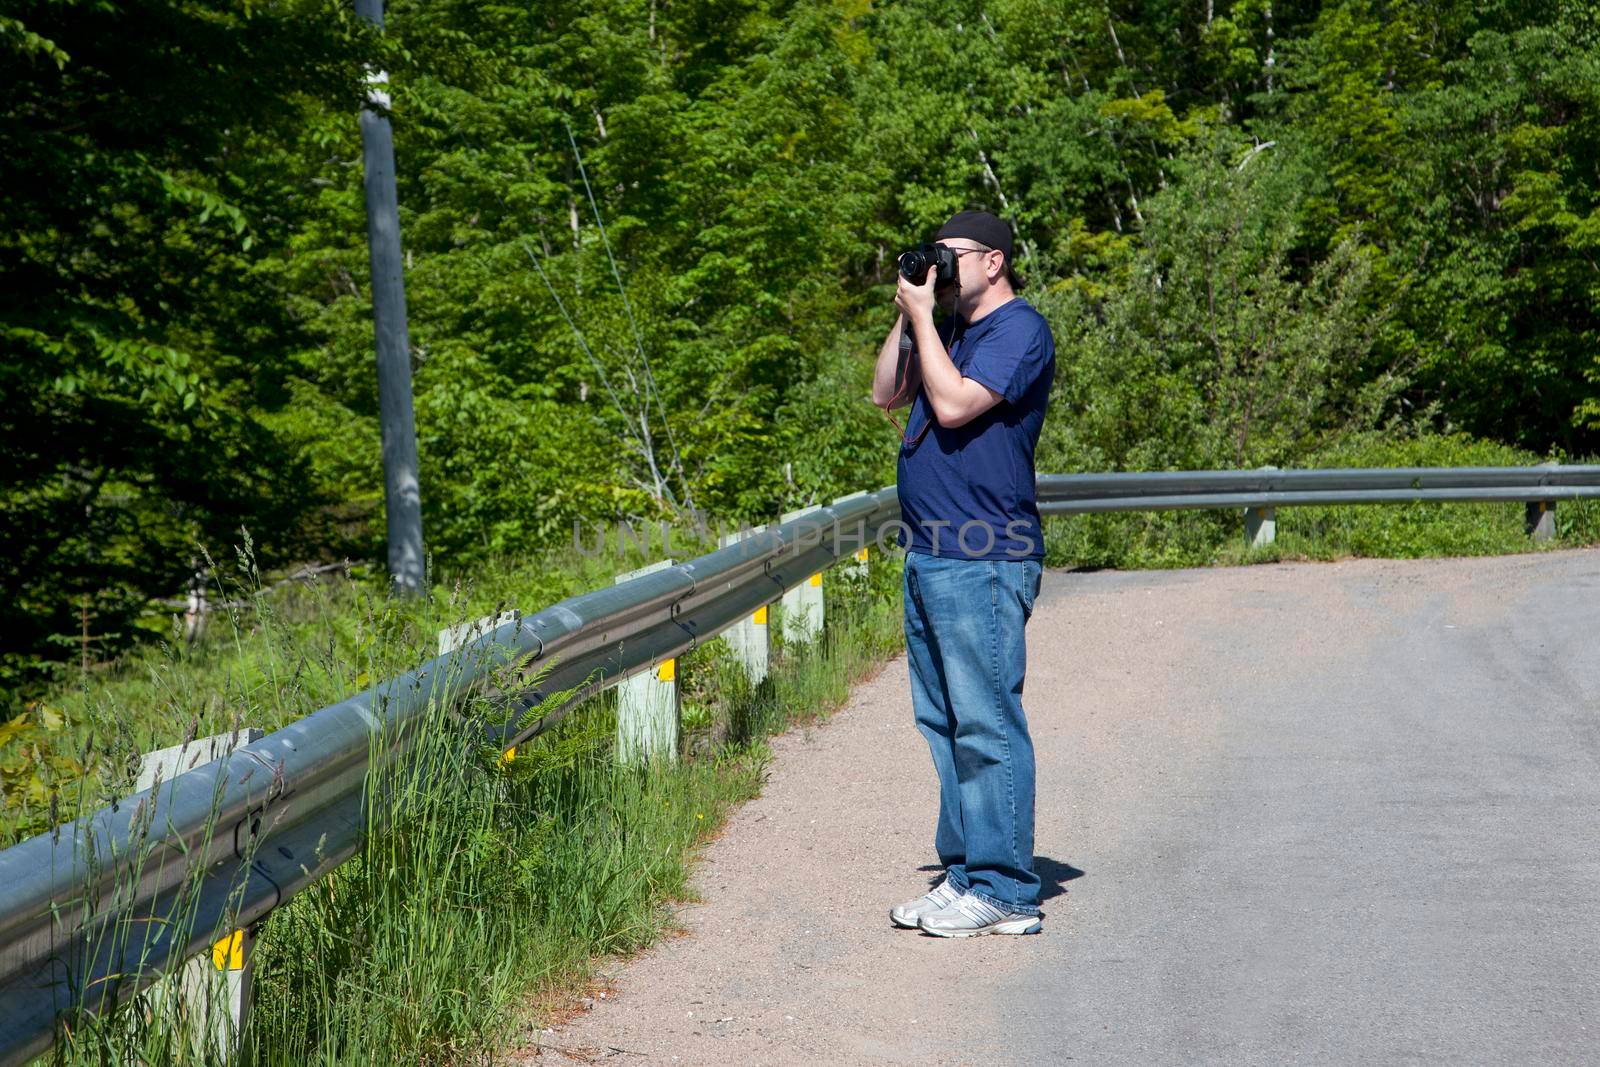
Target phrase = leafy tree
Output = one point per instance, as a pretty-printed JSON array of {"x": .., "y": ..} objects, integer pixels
[
  {"x": 139, "y": 314},
  {"x": 1508, "y": 227},
  {"x": 1218, "y": 352}
]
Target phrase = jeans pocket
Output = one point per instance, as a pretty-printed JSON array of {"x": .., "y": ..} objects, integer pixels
[{"x": 1032, "y": 579}]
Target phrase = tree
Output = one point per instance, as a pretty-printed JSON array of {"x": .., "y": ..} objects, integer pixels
[
  {"x": 1218, "y": 352},
  {"x": 138, "y": 315}
]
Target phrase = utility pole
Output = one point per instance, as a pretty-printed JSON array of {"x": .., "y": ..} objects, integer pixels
[{"x": 402, "y": 494}]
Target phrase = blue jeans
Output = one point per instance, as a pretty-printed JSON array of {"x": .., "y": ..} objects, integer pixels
[{"x": 964, "y": 642}]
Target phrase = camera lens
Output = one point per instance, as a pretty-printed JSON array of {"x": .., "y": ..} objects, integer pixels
[{"x": 914, "y": 266}]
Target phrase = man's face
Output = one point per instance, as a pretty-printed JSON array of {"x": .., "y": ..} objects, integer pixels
[{"x": 972, "y": 277}]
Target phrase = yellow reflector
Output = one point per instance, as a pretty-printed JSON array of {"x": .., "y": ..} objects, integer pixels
[
  {"x": 816, "y": 579},
  {"x": 228, "y": 954},
  {"x": 668, "y": 670},
  {"x": 760, "y": 617}
]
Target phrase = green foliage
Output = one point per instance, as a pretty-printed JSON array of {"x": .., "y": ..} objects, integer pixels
[
  {"x": 1216, "y": 352},
  {"x": 1464, "y": 143},
  {"x": 650, "y": 252},
  {"x": 1511, "y": 150},
  {"x": 142, "y": 201}
]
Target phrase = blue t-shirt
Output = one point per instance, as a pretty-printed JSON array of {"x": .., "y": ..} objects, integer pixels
[{"x": 968, "y": 492}]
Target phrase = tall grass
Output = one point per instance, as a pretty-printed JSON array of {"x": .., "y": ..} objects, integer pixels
[
  {"x": 486, "y": 886},
  {"x": 490, "y": 887}
]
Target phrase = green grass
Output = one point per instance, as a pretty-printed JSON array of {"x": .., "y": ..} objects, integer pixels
[{"x": 491, "y": 886}]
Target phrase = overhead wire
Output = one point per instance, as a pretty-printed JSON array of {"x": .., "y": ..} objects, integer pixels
[{"x": 638, "y": 341}]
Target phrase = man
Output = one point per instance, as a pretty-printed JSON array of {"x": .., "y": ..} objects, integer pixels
[{"x": 977, "y": 389}]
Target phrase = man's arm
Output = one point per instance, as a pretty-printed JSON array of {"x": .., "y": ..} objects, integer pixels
[
  {"x": 956, "y": 400},
  {"x": 892, "y": 385}
]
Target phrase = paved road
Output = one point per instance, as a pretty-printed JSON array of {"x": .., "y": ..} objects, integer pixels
[{"x": 1322, "y": 813}]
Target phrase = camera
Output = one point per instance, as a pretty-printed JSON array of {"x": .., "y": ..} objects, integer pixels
[{"x": 915, "y": 264}]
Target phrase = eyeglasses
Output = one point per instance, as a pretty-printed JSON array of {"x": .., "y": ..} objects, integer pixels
[{"x": 959, "y": 252}]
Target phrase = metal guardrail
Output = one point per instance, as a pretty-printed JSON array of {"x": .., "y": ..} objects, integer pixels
[
  {"x": 88, "y": 915},
  {"x": 1077, "y": 494},
  {"x": 86, "y": 919}
]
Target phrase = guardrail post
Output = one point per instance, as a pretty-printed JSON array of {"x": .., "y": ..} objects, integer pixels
[
  {"x": 1539, "y": 516},
  {"x": 647, "y": 705},
  {"x": 750, "y": 637},
  {"x": 213, "y": 991},
  {"x": 856, "y": 565},
  {"x": 453, "y": 637},
  {"x": 1261, "y": 524},
  {"x": 802, "y": 605},
  {"x": 1540, "y": 519}
]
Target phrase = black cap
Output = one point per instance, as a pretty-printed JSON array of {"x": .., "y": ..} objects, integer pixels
[{"x": 985, "y": 228}]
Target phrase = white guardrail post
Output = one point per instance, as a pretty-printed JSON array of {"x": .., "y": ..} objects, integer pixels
[
  {"x": 856, "y": 565},
  {"x": 1540, "y": 519},
  {"x": 751, "y": 637},
  {"x": 802, "y": 605},
  {"x": 453, "y": 637},
  {"x": 1261, "y": 524},
  {"x": 212, "y": 992},
  {"x": 1539, "y": 516},
  {"x": 647, "y": 704}
]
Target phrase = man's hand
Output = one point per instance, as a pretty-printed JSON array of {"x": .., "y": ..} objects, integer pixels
[
  {"x": 956, "y": 399},
  {"x": 916, "y": 301}
]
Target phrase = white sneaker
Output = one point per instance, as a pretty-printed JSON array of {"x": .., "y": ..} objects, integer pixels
[
  {"x": 907, "y": 914},
  {"x": 969, "y": 916}
]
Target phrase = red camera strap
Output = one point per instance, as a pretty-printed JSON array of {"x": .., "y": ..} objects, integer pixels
[{"x": 913, "y": 442}]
